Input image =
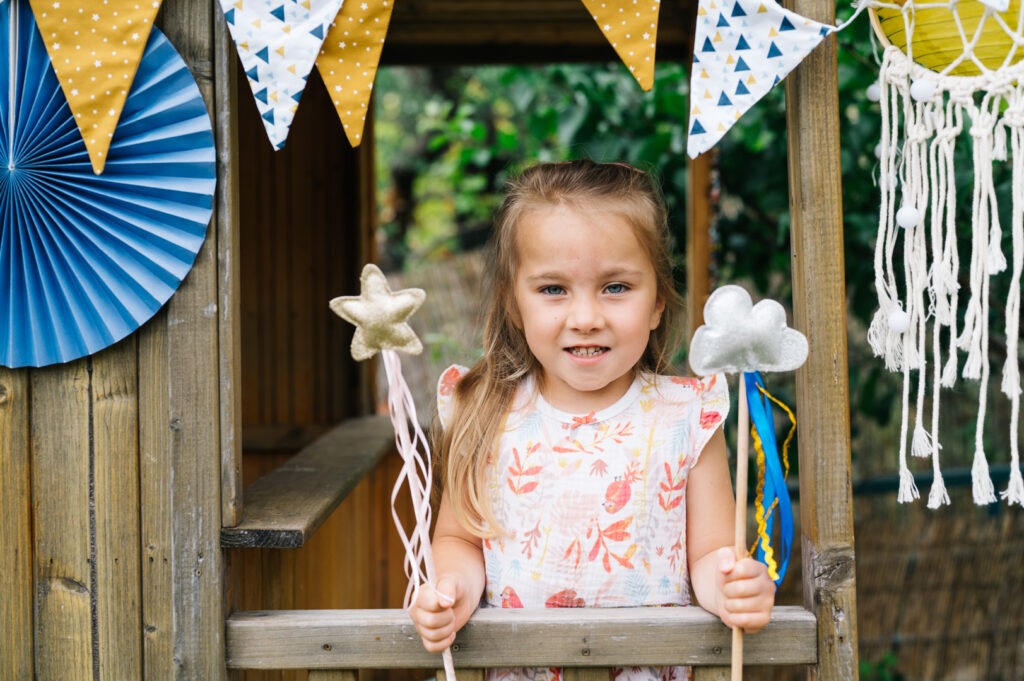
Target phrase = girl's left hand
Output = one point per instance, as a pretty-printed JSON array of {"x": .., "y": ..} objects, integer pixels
[{"x": 745, "y": 592}]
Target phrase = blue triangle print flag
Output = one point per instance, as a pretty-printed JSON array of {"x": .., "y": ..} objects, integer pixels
[
  {"x": 744, "y": 48},
  {"x": 278, "y": 42}
]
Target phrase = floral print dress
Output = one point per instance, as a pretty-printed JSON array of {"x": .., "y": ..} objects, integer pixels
[{"x": 594, "y": 504}]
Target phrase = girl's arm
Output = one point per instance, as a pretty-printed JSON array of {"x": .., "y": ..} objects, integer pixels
[
  {"x": 459, "y": 565},
  {"x": 738, "y": 591}
]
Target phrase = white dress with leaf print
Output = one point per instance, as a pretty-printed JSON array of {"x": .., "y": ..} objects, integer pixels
[{"x": 594, "y": 504}]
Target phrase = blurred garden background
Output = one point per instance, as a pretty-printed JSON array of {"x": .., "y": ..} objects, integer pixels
[{"x": 940, "y": 593}]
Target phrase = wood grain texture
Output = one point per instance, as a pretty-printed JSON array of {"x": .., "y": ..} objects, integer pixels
[
  {"x": 116, "y": 500},
  {"x": 296, "y": 367},
  {"x": 599, "y": 637},
  {"x": 61, "y": 481},
  {"x": 156, "y": 501},
  {"x": 285, "y": 507},
  {"x": 819, "y": 303},
  {"x": 712, "y": 673},
  {"x": 475, "y": 674},
  {"x": 179, "y": 355},
  {"x": 334, "y": 675},
  {"x": 229, "y": 286},
  {"x": 16, "y": 599},
  {"x": 587, "y": 674}
]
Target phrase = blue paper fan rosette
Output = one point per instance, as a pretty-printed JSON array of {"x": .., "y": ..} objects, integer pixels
[{"x": 86, "y": 259}]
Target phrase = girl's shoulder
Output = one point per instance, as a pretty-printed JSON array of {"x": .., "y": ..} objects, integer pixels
[
  {"x": 703, "y": 395},
  {"x": 450, "y": 378}
]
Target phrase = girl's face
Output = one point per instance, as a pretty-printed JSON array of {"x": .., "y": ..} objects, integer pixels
[{"x": 587, "y": 298}]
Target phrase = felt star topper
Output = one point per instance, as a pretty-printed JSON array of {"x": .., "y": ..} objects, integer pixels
[{"x": 380, "y": 315}]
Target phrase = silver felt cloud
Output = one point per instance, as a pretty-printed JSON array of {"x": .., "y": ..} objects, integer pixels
[{"x": 739, "y": 336}]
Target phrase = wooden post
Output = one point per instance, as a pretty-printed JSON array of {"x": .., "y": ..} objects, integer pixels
[
  {"x": 229, "y": 308},
  {"x": 698, "y": 240},
  {"x": 179, "y": 433},
  {"x": 826, "y": 504}
]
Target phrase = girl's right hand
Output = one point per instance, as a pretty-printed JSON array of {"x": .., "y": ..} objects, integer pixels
[{"x": 433, "y": 612}]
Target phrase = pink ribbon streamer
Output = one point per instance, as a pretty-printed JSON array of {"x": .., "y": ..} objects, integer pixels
[{"x": 417, "y": 474}]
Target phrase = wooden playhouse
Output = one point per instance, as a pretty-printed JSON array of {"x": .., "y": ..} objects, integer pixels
[{"x": 129, "y": 548}]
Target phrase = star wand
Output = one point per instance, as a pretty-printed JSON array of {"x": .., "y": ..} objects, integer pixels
[{"x": 380, "y": 316}]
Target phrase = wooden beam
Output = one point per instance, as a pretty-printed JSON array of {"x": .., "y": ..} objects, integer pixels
[
  {"x": 495, "y": 637},
  {"x": 284, "y": 507},
  {"x": 819, "y": 302},
  {"x": 229, "y": 307},
  {"x": 461, "y": 32},
  {"x": 698, "y": 239}
]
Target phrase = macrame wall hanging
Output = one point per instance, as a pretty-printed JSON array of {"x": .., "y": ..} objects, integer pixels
[{"x": 950, "y": 74}]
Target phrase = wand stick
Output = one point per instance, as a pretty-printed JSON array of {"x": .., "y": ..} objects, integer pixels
[{"x": 741, "y": 515}]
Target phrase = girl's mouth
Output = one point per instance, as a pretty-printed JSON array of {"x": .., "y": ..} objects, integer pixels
[{"x": 586, "y": 351}]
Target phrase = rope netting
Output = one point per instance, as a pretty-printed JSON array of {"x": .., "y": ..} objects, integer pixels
[{"x": 949, "y": 71}]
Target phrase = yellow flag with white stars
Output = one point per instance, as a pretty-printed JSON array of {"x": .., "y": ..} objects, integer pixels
[
  {"x": 631, "y": 26},
  {"x": 349, "y": 57},
  {"x": 95, "y": 47}
]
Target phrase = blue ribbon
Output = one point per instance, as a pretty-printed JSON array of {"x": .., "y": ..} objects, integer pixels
[{"x": 773, "y": 479}]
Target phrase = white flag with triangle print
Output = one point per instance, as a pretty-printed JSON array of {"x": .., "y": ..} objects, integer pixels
[
  {"x": 278, "y": 42},
  {"x": 741, "y": 49}
]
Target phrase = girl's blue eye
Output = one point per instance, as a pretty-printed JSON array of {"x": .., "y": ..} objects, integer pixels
[
  {"x": 616, "y": 288},
  {"x": 552, "y": 290}
]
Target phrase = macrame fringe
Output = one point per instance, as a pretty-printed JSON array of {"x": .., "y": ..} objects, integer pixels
[
  {"x": 982, "y": 489},
  {"x": 916, "y": 170}
]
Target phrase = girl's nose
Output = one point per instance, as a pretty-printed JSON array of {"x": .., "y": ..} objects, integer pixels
[{"x": 585, "y": 315}]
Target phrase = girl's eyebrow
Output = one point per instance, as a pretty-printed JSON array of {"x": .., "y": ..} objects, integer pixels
[{"x": 612, "y": 273}]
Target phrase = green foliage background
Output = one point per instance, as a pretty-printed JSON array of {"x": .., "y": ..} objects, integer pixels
[{"x": 448, "y": 137}]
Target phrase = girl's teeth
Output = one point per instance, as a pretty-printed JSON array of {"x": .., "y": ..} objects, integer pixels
[{"x": 587, "y": 352}]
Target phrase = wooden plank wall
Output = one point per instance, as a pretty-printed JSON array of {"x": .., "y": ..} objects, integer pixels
[{"x": 110, "y": 480}]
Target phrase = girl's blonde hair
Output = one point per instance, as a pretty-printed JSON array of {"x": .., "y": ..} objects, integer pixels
[{"x": 484, "y": 396}]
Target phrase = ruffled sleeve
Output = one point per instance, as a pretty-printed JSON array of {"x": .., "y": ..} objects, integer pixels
[
  {"x": 711, "y": 411},
  {"x": 446, "y": 391}
]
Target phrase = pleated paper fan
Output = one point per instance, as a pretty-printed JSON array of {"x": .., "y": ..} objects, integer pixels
[{"x": 86, "y": 259}]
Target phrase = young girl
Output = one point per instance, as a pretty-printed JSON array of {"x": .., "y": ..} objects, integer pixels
[{"x": 576, "y": 472}]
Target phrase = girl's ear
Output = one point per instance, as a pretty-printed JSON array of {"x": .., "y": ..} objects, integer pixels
[{"x": 659, "y": 307}]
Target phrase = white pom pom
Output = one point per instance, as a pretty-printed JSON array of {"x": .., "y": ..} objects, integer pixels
[
  {"x": 874, "y": 92},
  {"x": 907, "y": 217},
  {"x": 878, "y": 150},
  {"x": 922, "y": 89},
  {"x": 899, "y": 321}
]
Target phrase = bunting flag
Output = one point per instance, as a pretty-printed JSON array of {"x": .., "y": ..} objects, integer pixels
[
  {"x": 349, "y": 57},
  {"x": 278, "y": 42},
  {"x": 95, "y": 49},
  {"x": 773, "y": 543},
  {"x": 741, "y": 49},
  {"x": 631, "y": 26}
]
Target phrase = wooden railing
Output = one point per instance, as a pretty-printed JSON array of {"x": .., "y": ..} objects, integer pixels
[{"x": 584, "y": 641}]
